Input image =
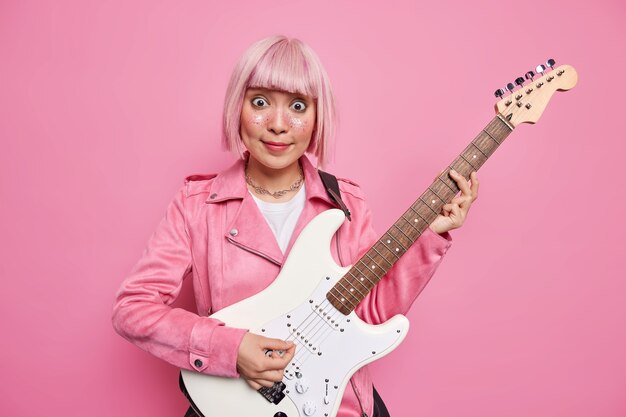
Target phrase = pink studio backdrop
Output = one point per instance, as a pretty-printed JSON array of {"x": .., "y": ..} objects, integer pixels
[{"x": 106, "y": 106}]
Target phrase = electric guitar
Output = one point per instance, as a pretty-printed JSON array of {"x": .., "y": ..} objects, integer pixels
[{"x": 312, "y": 300}]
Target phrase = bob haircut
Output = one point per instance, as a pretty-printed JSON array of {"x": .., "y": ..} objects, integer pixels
[{"x": 280, "y": 63}]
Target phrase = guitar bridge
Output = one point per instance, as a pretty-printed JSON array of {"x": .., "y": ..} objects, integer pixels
[{"x": 273, "y": 394}]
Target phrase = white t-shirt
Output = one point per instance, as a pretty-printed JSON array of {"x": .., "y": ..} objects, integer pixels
[{"x": 282, "y": 217}]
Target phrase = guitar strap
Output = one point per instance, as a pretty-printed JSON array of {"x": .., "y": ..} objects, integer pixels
[{"x": 332, "y": 188}]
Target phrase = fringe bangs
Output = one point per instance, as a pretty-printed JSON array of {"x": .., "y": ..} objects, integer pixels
[{"x": 284, "y": 67}]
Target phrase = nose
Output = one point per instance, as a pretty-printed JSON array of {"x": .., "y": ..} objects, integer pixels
[{"x": 278, "y": 123}]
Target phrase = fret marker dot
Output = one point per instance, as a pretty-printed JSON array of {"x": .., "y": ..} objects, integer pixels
[
  {"x": 415, "y": 220},
  {"x": 397, "y": 249},
  {"x": 474, "y": 156},
  {"x": 351, "y": 289},
  {"x": 388, "y": 241},
  {"x": 433, "y": 201},
  {"x": 343, "y": 299},
  {"x": 362, "y": 279},
  {"x": 373, "y": 266}
]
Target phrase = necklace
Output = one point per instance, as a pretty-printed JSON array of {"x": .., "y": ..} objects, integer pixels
[{"x": 276, "y": 194}]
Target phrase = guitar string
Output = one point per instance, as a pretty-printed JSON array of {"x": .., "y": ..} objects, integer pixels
[
  {"x": 307, "y": 355},
  {"x": 327, "y": 331},
  {"x": 312, "y": 318},
  {"x": 312, "y": 338}
]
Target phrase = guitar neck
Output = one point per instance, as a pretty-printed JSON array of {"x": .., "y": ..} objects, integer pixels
[{"x": 367, "y": 271}]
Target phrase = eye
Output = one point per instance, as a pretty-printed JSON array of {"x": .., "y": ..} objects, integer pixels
[
  {"x": 298, "y": 106},
  {"x": 259, "y": 102}
]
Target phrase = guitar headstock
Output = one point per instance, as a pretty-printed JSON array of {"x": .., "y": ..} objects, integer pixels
[{"x": 527, "y": 103}]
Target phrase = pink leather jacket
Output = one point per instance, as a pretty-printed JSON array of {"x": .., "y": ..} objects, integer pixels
[{"x": 214, "y": 234}]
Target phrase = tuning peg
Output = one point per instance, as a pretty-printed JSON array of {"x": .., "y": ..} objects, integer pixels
[
  {"x": 519, "y": 81},
  {"x": 499, "y": 92},
  {"x": 540, "y": 68},
  {"x": 551, "y": 63},
  {"x": 530, "y": 75},
  {"x": 510, "y": 86}
]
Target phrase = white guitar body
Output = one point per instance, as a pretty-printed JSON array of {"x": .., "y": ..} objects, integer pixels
[{"x": 330, "y": 347}]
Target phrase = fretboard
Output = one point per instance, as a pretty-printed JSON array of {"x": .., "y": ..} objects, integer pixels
[{"x": 367, "y": 271}]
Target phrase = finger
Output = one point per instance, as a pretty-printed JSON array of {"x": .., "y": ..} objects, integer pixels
[
  {"x": 269, "y": 375},
  {"x": 254, "y": 385},
  {"x": 461, "y": 200},
  {"x": 259, "y": 382},
  {"x": 284, "y": 356},
  {"x": 276, "y": 344},
  {"x": 454, "y": 210},
  {"x": 276, "y": 362},
  {"x": 474, "y": 184},
  {"x": 461, "y": 182}
]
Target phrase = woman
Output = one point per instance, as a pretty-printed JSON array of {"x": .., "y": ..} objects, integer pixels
[{"x": 230, "y": 232}]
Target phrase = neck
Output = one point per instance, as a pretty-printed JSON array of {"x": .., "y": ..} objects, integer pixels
[{"x": 272, "y": 179}]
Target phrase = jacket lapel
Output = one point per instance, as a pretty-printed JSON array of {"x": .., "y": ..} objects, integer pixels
[{"x": 249, "y": 229}]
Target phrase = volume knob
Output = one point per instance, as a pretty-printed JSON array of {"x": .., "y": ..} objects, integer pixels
[
  {"x": 302, "y": 386},
  {"x": 309, "y": 408}
]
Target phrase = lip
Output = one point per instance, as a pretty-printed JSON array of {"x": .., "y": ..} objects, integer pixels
[{"x": 276, "y": 146}]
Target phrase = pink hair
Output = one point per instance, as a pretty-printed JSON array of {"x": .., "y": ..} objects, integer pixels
[{"x": 284, "y": 64}]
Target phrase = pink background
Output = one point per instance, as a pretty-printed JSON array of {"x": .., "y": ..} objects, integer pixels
[{"x": 106, "y": 106}]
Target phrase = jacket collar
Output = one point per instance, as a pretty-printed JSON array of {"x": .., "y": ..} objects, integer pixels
[{"x": 231, "y": 184}]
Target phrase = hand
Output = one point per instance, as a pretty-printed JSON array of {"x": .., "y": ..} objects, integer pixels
[
  {"x": 261, "y": 361},
  {"x": 454, "y": 213}
]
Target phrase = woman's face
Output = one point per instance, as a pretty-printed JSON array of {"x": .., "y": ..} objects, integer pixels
[{"x": 276, "y": 126}]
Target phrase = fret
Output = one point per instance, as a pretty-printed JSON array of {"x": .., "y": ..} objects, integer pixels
[
  {"x": 408, "y": 228},
  {"x": 434, "y": 200},
  {"x": 362, "y": 279},
  {"x": 417, "y": 214},
  {"x": 376, "y": 278},
  {"x": 492, "y": 138},
  {"x": 425, "y": 213},
  {"x": 381, "y": 255},
  {"x": 411, "y": 223},
  {"x": 485, "y": 144},
  {"x": 348, "y": 292},
  {"x": 430, "y": 188},
  {"x": 368, "y": 271},
  {"x": 428, "y": 205},
  {"x": 388, "y": 242},
  {"x": 354, "y": 280},
  {"x": 442, "y": 190},
  {"x": 462, "y": 167},
  {"x": 449, "y": 182},
  {"x": 479, "y": 150},
  {"x": 476, "y": 159},
  {"x": 497, "y": 130},
  {"x": 374, "y": 260},
  {"x": 469, "y": 162},
  {"x": 339, "y": 303},
  {"x": 340, "y": 298},
  {"x": 505, "y": 123},
  {"x": 351, "y": 282},
  {"x": 404, "y": 234}
]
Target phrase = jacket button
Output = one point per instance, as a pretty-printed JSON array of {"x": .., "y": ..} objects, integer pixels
[
  {"x": 212, "y": 196},
  {"x": 198, "y": 363},
  {"x": 234, "y": 232}
]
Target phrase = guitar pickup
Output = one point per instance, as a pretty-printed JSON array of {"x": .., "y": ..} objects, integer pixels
[
  {"x": 329, "y": 315},
  {"x": 273, "y": 394}
]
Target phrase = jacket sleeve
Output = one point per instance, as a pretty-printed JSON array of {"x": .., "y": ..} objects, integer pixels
[
  {"x": 142, "y": 312},
  {"x": 398, "y": 289}
]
